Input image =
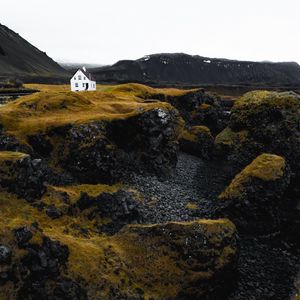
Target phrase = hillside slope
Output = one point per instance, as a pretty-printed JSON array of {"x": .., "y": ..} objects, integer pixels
[
  {"x": 186, "y": 69},
  {"x": 21, "y": 59}
]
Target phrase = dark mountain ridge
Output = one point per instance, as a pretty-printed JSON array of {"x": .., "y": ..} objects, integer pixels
[
  {"x": 179, "y": 68},
  {"x": 19, "y": 58}
]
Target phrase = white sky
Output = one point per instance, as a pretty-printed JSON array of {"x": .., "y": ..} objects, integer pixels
[{"x": 104, "y": 31}]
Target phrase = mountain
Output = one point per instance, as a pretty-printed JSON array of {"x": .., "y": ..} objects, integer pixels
[
  {"x": 181, "y": 69},
  {"x": 18, "y": 58}
]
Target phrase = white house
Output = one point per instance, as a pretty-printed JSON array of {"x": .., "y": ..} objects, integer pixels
[{"x": 82, "y": 80}]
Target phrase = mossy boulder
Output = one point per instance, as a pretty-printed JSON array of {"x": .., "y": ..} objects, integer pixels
[
  {"x": 21, "y": 175},
  {"x": 200, "y": 108},
  {"x": 253, "y": 197},
  {"x": 194, "y": 260},
  {"x": 262, "y": 122},
  {"x": 36, "y": 268},
  {"x": 198, "y": 141},
  {"x": 96, "y": 136}
]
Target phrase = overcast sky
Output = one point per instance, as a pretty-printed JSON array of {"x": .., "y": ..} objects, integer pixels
[{"x": 104, "y": 31}]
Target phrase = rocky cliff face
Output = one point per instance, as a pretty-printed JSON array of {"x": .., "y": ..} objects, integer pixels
[
  {"x": 186, "y": 69},
  {"x": 20, "y": 59}
]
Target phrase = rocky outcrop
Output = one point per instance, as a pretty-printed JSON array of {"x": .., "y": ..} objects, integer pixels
[
  {"x": 193, "y": 260},
  {"x": 38, "y": 272},
  {"x": 198, "y": 141},
  {"x": 21, "y": 175},
  {"x": 200, "y": 108},
  {"x": 117, "y": 209},
  {"x": 108, "y": 151},
  {"x": 253, "y": 197},
  {"x": 262, "y": 122}
]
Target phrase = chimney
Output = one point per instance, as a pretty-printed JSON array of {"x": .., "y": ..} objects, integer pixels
[{"x": 84, "y": 69}]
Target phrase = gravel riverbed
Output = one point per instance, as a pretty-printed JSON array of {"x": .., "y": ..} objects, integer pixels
[{"x": 267, "y": 267}]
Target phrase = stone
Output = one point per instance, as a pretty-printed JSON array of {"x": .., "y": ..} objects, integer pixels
[
  {"x": 5, "y": 254},
  {"x": 262, "y": 122},
  {"x": 18, "y": 176},
  {"x": 23, "y": 235},
  {"x": 254, "y": 196},
  {"x": 198, "y": 141}
]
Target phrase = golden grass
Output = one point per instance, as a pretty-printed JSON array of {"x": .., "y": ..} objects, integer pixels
[
  {"x": 56, "y": 106},
  {"x": 194, "y": 134},
  {"x": 124, "y": 261},
  {"x": 266, "y": 167},
  {"x": 11, "y": 156},
  {"x": 192, "y": 206}
]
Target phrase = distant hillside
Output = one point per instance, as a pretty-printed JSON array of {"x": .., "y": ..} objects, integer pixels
[
  {"x": 18, "y": 58},
  {"x": 192, "y": 70}
]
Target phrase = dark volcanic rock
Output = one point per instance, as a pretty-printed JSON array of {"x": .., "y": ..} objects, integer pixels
[
  {"x": 204, "y": 253},
  {"x": 262, "y": 122},
  {"x": 120, "y": 208},
  {"x": 108, "y": 151},
  {"x": 37, "y": 275},
  {"x": 5, "y": 254},
  {"x": 254, "y": 196},
  {"x": 198, "y": 141},
  {"x": 199, "y": 108},
  {"x": 21, "y": 175}
]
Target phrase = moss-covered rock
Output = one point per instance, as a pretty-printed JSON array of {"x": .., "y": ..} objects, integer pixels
[
  {"x": 197, "y": 140},
  {"x": 200, "y": 108},
  {"x": 181, "y": 260},
  {"x": 253, "y": 197},
  {"x": 21, "y": 175},
  {"x": 95, "y": 137},
  {"x": 262, "y": 122}
]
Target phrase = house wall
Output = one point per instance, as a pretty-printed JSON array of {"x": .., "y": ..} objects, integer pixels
[{"x": 80, "y": 85}]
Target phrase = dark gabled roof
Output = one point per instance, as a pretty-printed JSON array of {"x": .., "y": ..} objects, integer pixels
[{"x": 86, "y": 73}]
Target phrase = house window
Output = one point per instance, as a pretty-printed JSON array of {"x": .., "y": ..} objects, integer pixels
[
  {"x": 79, "y": 77},
  {"x": 76, "y": 84},
  {"x": 84, "y": 78},
  {"x": 83, "y": 84},
  {"x": 74, "y": 78}
]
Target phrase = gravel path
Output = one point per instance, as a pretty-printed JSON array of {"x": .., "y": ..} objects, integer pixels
[
  {"x": 266, "y": 267},
  {"x": 194, "y": 182}
]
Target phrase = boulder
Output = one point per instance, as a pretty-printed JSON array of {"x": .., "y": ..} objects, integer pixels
[
  {"x": 194, "y": 260},
  {"x": 200, "y": 108},
  {"x": 109, "y": 151},
  {"x": 19, "y": 174},
  {"x": 39, "y": 269},
  {"x": 262, "y": 122},
  {"x": 5, "y": 254},
  {"x": 117, "y": 209},
  {"x": 253, "y": 197},
  {"x": 198, "y": 141}
]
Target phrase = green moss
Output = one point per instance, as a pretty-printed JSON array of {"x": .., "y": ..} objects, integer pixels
[
  {"x": 228, "y": 137},
  {"x": 195, "y": 133},
  {"x": 266, "y": 167}
]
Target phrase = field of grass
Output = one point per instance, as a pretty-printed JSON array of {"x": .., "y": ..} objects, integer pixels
[{"x": 56, "y": 106}]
